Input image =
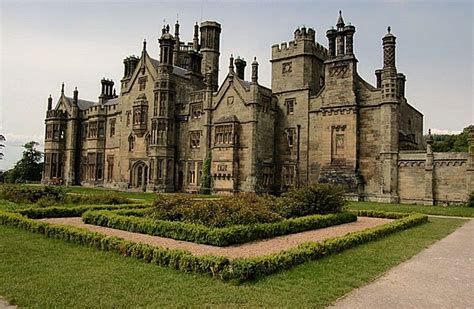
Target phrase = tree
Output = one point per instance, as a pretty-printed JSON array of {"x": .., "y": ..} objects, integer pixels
[
  {"x": 2, "y": 139},
  {"x": 452, "y": 143},
  {"x": 29, "y": 167}
]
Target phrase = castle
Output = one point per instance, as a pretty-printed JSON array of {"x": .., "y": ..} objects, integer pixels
[{"x": 319, "y": 122}]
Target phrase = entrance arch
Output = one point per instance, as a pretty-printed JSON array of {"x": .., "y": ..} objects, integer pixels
[{"x": 139, "y": 175}]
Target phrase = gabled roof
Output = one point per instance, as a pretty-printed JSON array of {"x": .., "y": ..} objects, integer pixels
[{"x": 82, "y": 104}]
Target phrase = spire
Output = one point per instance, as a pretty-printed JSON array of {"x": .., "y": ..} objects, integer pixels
[
  {"x": 176, "y": 29},
  {"x": 340, "y": 21},
  {"x": 254, "y": 71},
  {"x": 231, "y": 63},
  {"x": 50, "y": 103},
  {"x": 75, "y": 96},
  {"x": 196, "y": 37}
]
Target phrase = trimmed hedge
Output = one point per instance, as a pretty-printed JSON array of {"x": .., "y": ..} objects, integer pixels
[
  {"x": 236, "y": 234},
  {"x": 250, "y": 268},
  {"x": 58, "y": 212},
  {"x": 219, "y": 267}
]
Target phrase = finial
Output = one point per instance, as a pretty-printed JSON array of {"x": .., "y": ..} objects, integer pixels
[
  {"x": 144, "y": 44},
  {"x": 389, "y": 29},
  {"x": 167, "y": 28},
  {"x": 62, "y": 88},
  {"x": 75, "y": 88},
  {"x": 50, "y": 97},
  {"x": 429, "y": 131},
  {"x": 340, "y": 21}
]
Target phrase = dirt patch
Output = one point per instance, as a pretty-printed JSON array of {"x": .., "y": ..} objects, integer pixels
[{"x": 251, "y": 249}]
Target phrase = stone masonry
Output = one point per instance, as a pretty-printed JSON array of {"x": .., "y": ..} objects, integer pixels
[{"x": 319, "y": 122}]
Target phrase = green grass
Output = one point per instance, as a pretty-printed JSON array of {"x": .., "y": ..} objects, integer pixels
[
  {"x": 407, "y": 208},
  {"x": 41, "y": 272}
]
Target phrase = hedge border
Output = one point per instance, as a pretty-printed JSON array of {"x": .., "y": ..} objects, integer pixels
[
  {"x": 237, "y": 270},
  {"x": 201, "y": 234},
  {"x": 75, "y": 211}
]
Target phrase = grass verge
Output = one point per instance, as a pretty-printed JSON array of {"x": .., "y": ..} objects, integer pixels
[
  {"x": 421, "y": 209},
  {"x": 44, "y": 272}
]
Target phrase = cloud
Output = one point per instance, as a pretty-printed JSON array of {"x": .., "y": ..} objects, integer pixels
[{"x": 443, "y": 131}]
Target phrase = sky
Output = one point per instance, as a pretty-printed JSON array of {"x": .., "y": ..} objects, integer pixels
[{"x": 45, "y": 43}]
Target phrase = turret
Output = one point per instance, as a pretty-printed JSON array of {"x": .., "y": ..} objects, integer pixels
[
  {"x": 210, "y": 41},
  {"x": 166, "y": 47},
  {"x": 389, "y": 71},
  {"x": 341, "y": 39},
  {"x": 240, "y": 65}
]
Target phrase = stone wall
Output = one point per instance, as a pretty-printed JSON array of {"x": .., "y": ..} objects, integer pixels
[{"x": 434, "y": 178}]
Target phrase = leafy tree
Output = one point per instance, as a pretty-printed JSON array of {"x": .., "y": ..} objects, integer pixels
[
  {"x": 452, "y": 143},
  {"x": 29, "y": 167}
]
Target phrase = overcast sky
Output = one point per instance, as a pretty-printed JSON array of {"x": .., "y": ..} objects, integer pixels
[{"x": 79, "y": 42}]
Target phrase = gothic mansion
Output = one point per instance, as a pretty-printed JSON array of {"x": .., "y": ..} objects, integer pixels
[{"x": 320, "y": 121}]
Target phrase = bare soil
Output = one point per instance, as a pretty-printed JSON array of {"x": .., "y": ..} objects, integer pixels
[{"x": 250, "y": 249}]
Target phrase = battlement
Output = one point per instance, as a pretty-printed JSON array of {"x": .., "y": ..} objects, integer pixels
[
  {"x": 299, "y": 47},
  {"x": 55, "y": 114}
]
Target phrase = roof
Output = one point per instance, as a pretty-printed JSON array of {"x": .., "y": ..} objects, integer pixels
[
  {"x": 176, "y": 70},
  {"x": 82, "y": 104}
]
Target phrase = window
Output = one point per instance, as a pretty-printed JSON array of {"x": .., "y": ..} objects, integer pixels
[
  {"x": 162, "y": 104},
  {"x": 142, "y": 83},
  {"x": 194, "y": 139},
  {"x": 55, "y": 131},
  {"x": 290, "y": 134},
  {"x": 192, "y": 172},
  {"x": 92, "y": 132},
  {"x": 196, "y": 110},
  {"x": 267, "y": 178},
  {"x": 49, "y": 131},
  {"x": 288, "y": 175},
  {"x": 155, "y": 105},
  {"x": 112, "y": 127},
  {"x": 110, "y": 168},
  {"x": 101, "y": 128},
  {"x": 128, "y": 117},
  {"x": 290, "y": 106},
  {"x": 224, "y": 134},
  {"x": 159, "y": 168},
  {"x": 100, "y": 165},
  {"x": 91, "y": 157}
]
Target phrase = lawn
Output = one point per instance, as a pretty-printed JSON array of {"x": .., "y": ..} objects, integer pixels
[
  {"x": 408, "y": 208},
  {"x": 41, "y": 272}
]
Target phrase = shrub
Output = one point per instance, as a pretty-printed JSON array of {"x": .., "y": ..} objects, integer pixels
[
  {"x": 128, "y": 221},
  {"x": 239, "y": 270},
  {"x": 310, "y": 200},
  {"x": 32, "y": 194},
  {"x": 470, "y": 200},
  {"x": 244, "y": 208}
]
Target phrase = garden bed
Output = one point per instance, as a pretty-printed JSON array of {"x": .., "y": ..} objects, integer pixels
[
  {"x": 239, "y": 269},
  {"x": 132, "y": 221}
]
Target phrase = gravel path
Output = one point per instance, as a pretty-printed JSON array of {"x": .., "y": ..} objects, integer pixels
[
  {"x": 251, "y": 249},
  {"x": 441, "y": 276}
]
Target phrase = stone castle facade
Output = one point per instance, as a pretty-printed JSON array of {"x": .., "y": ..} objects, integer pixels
[{"x": 320, "y": 122}]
